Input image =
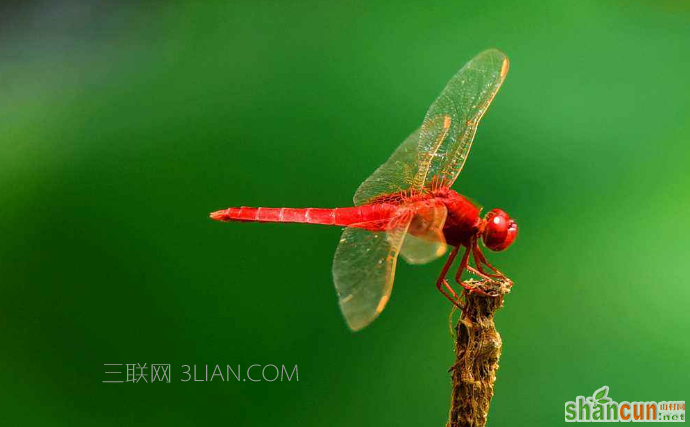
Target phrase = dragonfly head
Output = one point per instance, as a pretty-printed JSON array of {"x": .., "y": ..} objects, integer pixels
[{"x": 500, "y": 230}]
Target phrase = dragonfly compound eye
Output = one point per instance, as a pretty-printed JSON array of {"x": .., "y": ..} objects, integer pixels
[{"x": 500, "y": 230}]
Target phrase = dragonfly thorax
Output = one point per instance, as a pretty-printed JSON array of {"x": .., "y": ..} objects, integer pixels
[
  {"x": 463, "y": 224},
  {"x": 463, "y": 221}
]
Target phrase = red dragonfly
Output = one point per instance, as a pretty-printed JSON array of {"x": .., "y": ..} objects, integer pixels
[{"x": 407, "y": 206}]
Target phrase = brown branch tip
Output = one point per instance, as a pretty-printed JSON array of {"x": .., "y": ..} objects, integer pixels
[{"x": 477, "y": 350}]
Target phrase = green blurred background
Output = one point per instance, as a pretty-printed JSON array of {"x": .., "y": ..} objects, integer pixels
[{"x": 122, "y": 125}]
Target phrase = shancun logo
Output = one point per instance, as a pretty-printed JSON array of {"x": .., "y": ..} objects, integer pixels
[{"x": 600, "y": 407}]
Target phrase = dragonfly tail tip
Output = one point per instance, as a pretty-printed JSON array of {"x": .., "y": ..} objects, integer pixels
[{"x": 218, "y": 215}]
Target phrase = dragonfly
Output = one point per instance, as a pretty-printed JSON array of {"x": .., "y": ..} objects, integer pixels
[{"x": 407, "y": 207}]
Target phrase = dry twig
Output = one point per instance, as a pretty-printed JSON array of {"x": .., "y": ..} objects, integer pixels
[{"x": 477, "y": 350}]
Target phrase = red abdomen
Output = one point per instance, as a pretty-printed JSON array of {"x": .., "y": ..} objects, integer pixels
[{"x": 336, "y": 216}]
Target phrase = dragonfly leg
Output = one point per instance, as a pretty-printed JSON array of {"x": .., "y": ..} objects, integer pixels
[
  {"x": 480, "y": 259},
  {"x": 465, "y": 265},
  {"x": 442, "y": 283}
]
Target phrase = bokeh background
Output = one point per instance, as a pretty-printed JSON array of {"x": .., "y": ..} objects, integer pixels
[{"x": 122, "y": 125}]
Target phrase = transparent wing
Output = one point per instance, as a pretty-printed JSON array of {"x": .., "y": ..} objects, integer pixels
[
  {"x": 364, "y": 268},
  {"x": 450, "y": 124},
  {"x": 393, "y": 176},
  {"x": 438, "y": 149},
  {"x": 424, "y": 241}
]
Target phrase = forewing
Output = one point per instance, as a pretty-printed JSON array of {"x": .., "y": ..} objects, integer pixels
[
  {"x": 450, "y": 124},
  {"x": 393, "y": 176},
  {"x": 364, "y": 268},
  {"x": 424, "y": 240}
]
